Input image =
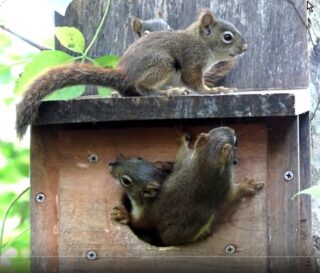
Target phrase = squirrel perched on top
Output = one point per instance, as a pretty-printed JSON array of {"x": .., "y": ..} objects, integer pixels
[
  {"x": 212, "y": 77},
  {"x": 151, "y": 63},
  {"x": 199, "y": 191}
]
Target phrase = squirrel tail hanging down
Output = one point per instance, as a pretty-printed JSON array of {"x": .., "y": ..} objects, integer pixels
[{"x": 59, "y": 77}]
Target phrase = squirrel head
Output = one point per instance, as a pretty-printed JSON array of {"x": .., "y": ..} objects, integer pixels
[
  {"x": 220, "y": 35},
  {"x": 137, "y": 176},
  {"x": 141, "y": 27},
  {"x": 217, "y": 147}
]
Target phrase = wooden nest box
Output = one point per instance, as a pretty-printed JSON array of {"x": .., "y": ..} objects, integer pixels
[{"x": 72, "y": 143}]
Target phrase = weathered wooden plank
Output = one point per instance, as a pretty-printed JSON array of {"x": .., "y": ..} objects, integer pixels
[
  {"x": 270, "y": 62},
  {"x": 44, "y": 216},
  {"x": 88, "y": 193},
  {"x": 283, "y": 212},
  {"x": 242, "y": 104},
  {"x": 307, "y": 262}
]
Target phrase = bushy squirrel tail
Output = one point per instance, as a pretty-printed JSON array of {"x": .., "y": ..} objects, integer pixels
[
  {"x": 59, "y": 77},
  {"x": 218, "y": 72}
]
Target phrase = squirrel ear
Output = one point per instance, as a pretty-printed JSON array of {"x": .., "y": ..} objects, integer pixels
[
  {"x": 202, "y": 139},
  {"x": 165, "y": 166},
  {"x": 207, "y": 19},
  {"x": 160, "y": 14},
  {"x": 136, "y": 25},
  {"x": 225, "y": 152},
  {"x": 122, "y": 157}
]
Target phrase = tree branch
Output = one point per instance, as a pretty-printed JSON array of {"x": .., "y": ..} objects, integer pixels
[{"x": 24, "y": 39}]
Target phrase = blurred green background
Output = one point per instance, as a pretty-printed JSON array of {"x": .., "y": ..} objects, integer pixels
[
  {"x": 14, "y": 154},
  {"x": 14, "y": 168}
]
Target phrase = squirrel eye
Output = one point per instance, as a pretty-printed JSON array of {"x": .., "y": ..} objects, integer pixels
[
  {"x": 227, "y": 37},
  {"x": 126, "y": 181},
  {"x": 235, "y": 142}
]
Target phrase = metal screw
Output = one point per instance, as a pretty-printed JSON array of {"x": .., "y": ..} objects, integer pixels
[
  {"x": 93, "y": 158},
  {"x": 288, "y": 175},
  {"x": 230, "y": 249},
  {"x": 40, "y": 197},
  {"x": 91, "y": 255}
]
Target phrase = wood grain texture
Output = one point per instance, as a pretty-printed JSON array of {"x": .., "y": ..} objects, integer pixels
[
  {"x": 88, "y": 194},
  {"x": 277, "y": 52},
  {"x": 283, "y": 212},
  {"x": 307, "y": 262},
  {"x": 244, "y": 104},
  {"x": 44, "y": 216}
]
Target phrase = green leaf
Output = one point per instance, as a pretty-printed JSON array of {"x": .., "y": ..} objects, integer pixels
[
  {"x": 108, "y": 61},
  {"x": 16, "y": 163},
  {"x": 38, "y": 65},
  {"x": 8, "y": 101},
  {"x": 5, "y": 74},
  {"x": 314, "y": 191},
  {"x": 71, "y": 38},
  {"x": 5, "y": 41},
  {"x": 66, "y": 93},
  {"x": 103, "y": 91}
]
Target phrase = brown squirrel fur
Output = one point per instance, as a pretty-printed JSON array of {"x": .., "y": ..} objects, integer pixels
[
  {"x": 212, "y": 77},
  {"x": 150, "y": 64}
]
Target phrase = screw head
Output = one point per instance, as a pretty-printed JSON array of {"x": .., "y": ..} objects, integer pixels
[
  {"x": 91, "y": 255},
  {"x": 230, "y": 249},
  {"x": 40, "y": 197},
  {"x": 288, "y": 175},
  {"x": 93, "y": 158}
]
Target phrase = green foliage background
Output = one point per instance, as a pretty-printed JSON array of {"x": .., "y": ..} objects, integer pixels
[{"x": 14, "y": 172}]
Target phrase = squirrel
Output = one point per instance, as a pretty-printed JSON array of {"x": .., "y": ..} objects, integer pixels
[
  {"x": 151, "y": 63},
  {"x": 141, "y": 181},
  {"x": 199, "y": 190},
  {"x": 143, "y": 27},
  {"x": 212, "y": 77}
]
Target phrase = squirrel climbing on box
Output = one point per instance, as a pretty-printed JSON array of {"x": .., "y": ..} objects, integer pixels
[
  {"x": 199, "y": 190},
  {"x": 141, "y": 181},
  {"x": 156, "y": 60}
]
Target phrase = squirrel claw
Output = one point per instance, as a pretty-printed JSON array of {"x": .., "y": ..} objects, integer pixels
[
  {"x": 120, "y": 215},
  {"x": 249, "y": 186},
  {"x": 115, "y": 94},
  {"x": 177, "y": 91},
  {"x": 222, "y": 89}
]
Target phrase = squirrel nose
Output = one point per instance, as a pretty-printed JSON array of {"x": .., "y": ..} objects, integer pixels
[{"x": 244, "y": 47}]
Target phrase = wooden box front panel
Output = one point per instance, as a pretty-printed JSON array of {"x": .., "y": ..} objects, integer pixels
[{"x": 87, "y": 193}]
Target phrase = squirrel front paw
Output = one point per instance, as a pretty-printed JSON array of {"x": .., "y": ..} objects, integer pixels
[
  {"x": 183, "y": 137},
  {"x": 222, "y": 89},
  {"x": 249, "y": 187},
  {"x": 115, "y": 94},
  {"x": 120, "y": 215},
  {"x": 177, "y": 91},
  {"x": 151, "y": 190}
]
